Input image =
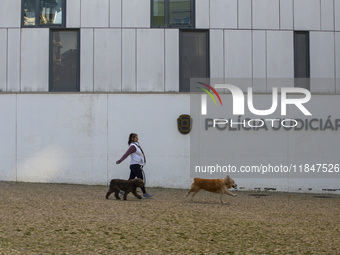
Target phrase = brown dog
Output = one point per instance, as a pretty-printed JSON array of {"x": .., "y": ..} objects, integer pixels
[
  {"x": 219, "y": 186},
  {"x": 127, "y": 186}
]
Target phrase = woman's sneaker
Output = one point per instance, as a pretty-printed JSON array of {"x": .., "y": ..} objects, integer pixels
[{"x": 146, "y": 195}]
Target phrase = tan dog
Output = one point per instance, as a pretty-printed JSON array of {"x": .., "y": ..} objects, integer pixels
[{"x": 219, "y": 186}]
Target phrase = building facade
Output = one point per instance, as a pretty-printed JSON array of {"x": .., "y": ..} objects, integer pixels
[{"x": 77, "y": 76}]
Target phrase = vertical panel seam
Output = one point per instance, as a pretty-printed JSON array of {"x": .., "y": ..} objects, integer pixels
[
  {"x": 279, "y": 14},
  {"x": 164, "y": 67},
  {"x": 121, "y": 60},
  {"x": 6, "y": 59},
  {"x": 107, "y": 138},
  {"x": 335, "y": 51},
  {"x": 136, "y": 60},
  {"x": 265, "y": 60},
  {"x": 93, "y": 56},
  {"x": 16, "y": 137}
]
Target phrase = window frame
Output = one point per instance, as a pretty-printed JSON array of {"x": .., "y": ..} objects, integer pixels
[
  {"x": 166, "y": 16},
  {"x": 37, "y": 16},
  {"x": 50, "y": 62}
]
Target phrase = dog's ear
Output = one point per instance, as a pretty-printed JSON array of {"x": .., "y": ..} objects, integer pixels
[{"x": 228, "y": 178}]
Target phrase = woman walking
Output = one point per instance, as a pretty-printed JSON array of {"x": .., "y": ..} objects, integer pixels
[{"x": 137, "y": 160}]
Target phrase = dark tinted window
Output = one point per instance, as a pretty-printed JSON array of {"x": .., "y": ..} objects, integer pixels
[
  {"x": 194, "y": 57},
  {"x": 301, "y": 59},
  {"x": 64, "y": 60}
]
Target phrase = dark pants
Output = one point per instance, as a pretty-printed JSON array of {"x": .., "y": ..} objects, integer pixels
[{"x": 136, "y": 171}]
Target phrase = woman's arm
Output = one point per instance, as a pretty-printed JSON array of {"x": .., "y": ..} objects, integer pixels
[{"x": 131, "y": 150}]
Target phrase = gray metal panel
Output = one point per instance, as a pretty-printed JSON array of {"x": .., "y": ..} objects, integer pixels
[
  {"x": 73, "y": 13},
  {"x": 337, "y": 15},
  {"x": 13, "y": 74},
  {"x": 107, "y": 59},
  {"x": 280, "y": 54},
  {"x": 86, "y": 59},
  {"x": 244, "y": 14},
  {"x": 94, "y": 13},
  {"x": 286, "y": 14},
  {"x": 202, "y": 9},
  {"x": 34, "y": 59},
  {"x": 238, "y": 56},
  {"x": 322, "y": 61},
  {"x": 337, "y": 61},
  {"x": 136, "y": 13},
  {"x": 115, "y": 13},
  {"x": 10, "y": 13},
  {"x": 223, "y": 14},
  {"x": 171, "y": 60},
  {"x": 150, "y": 60},
  {"x": 3, "y": 59},
  {"x": 216, "y": 53},
  {"x": 266, "y": 14},
  {"x": 307, "y": 15},
  {"x": 259, "y": 61},
  {"x": 280, "y": 59},
  {"x": 129, "y": 60},
  {"x": 327, "y": 15}
]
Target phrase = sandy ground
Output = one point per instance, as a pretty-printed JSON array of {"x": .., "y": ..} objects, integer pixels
[{"x": 77, "y": 219}]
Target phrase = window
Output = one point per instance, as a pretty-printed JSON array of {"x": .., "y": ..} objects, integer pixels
[
  {"x": 64, "y": 60},
  {"x": 301, "y": 59},
  {"x": 172, "y": 13},
  {"x": 43, "y": 13},
  {"x": 194, "y": 56}
]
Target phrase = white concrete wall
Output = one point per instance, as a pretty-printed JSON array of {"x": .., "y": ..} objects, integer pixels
[
  {"x": 8, "y": 149},
  {"x": 76, "y": 138}
]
